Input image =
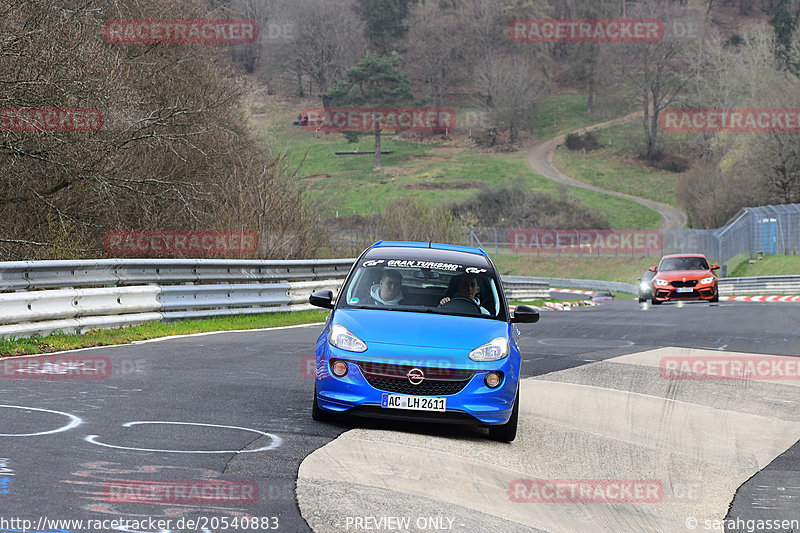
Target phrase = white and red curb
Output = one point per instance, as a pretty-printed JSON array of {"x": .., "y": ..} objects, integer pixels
[
  {"x": 566, "y": 306},
  {"x": 562, "y": 306},
  {"x": 573, "y": 291},
  {"x": 783, "y": 299}
]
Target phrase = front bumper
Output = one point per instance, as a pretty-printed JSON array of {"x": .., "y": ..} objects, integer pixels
[
  {"x": 666, "y": 293},
  {"x": 474, "y": 403}
]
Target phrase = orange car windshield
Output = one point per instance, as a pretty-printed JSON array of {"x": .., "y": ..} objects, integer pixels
[{"x": 684, "y": 263}]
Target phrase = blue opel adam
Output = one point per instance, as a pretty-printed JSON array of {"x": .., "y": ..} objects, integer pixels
[{"x": 421, "y": 332}]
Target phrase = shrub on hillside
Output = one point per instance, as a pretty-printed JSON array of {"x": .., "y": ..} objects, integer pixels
[
  {"x": 588, "y": 142},
  {"x": 516, "y": 206}
]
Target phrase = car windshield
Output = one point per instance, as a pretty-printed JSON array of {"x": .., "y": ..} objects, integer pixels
[
  {"x": 424, "y": 286},
  {"x": 684, "y": 263}
]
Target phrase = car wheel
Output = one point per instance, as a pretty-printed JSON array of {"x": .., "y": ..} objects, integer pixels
[
  {"x": 642, "y": 300},
  {"x": 508, "y": 431},
  {"x": 317, "y": 412},
  {"x": 656, "y": 302},
  {"x": 715, "y": 299}
]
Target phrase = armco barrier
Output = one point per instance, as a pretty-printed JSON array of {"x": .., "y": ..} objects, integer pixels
[
  {"x": 29, "y": 275},
  {"x": 585, "y": 284},
  {"x": 760, "y": 285},
  {"x": 106, "y": 293},
  {"x": 525, "y": 288}
]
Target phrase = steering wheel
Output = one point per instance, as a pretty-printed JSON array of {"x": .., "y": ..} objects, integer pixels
[{"x": 459, "y": 304}]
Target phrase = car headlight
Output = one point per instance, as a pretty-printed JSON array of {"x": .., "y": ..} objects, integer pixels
[
  {"x": 709, "y": 279},
  {"x": 644, "y": 286},
  {"x": 491, "y": 351},
  {"x": 662, "y": 282},
  {"x": 343, "y": 339}
]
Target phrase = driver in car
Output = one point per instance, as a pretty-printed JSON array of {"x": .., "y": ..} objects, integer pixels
[
  {"x": 468, "y": 289},
  {"x": 389, "y": 290}
]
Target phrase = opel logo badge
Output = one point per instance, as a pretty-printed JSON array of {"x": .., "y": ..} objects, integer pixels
[{"x": 415, "y": 376}]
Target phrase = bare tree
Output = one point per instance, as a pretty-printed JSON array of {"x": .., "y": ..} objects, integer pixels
[
  {"x": 435, "y": 50},
  {"x": 654, "y": 72},
  {"x": 171, "y": 130},
  {"x": 513, "y": 85}
]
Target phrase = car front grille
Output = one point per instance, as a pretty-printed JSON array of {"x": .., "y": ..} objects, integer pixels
[
  {"x": 438, "y": 381},
  {"x": 687, "y": 283},
  {"x": 429, "y": 387}
]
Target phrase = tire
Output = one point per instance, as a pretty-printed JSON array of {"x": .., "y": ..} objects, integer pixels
[
  {"x": 508, "y": 431},
  {"x": 317, "y": 412},
  {"x": 642, "y": 300},
  {"x": 715, "y": 299},
  {"x": 656, "y": 302}
]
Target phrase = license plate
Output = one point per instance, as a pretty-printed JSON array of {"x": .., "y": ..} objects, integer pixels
[
  {"x": 684, "y": 289},
  {"x": 416, "y": 403}
]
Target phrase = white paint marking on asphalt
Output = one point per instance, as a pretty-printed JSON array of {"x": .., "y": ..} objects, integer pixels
[
  {"x": 276, "y": 441},
  {"x": 74, "y": 422}
]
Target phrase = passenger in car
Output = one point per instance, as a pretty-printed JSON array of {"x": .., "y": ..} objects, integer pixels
[{"x": 390, "y": 289}]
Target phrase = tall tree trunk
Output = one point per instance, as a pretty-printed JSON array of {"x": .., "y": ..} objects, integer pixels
[
  {"x": 592, "y": 81},
  {"x": 377, "y": 147}
]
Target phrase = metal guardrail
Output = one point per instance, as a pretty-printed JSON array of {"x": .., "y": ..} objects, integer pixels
[
  {"x": 30, "y": 275},
  {"x": 525, "y": 288},
  {"x": 760, "y": 285},
  {"x": 584, "y": 284},
  {"x": 77, "y": 296}
]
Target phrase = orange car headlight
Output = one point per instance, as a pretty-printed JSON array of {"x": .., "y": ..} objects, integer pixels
[{"x": 706, "y": 281}]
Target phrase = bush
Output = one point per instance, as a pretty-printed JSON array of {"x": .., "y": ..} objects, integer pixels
[
  {"x": 516, "y": 206},
  {"x": 574, "y": 141},
  {"x": 669, "y": 162},
  {"x": 588, "y": 142},
  {"x": 486, "y": 138}
]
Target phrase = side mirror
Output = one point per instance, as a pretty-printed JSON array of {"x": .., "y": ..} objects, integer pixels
[
  {"x": 525, "y": 314},
  {"x": 714, "y": 267},
  {"x": 638, "y": 279},
  {"x": 652, "y": 269},
  {"x": 323, "y": 298}
]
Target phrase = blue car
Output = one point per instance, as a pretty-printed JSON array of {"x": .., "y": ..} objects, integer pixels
[{"x": 421, "y": 332}]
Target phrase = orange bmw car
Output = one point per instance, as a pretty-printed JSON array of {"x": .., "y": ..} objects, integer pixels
[{"x": 684, "y": 277}]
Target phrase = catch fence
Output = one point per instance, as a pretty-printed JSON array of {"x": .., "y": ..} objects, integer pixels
[{"x": 767, "y": 230}]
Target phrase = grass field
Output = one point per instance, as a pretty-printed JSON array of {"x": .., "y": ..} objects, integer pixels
[
  {"x": 439, "y": 173},
  {"x": 152, "y": 330},
  {"x": 613, "y": 167},
  {"x": 563, "y": 112},
  {"x": 769, "y": 265},
  {"x": 624, "y": 269}
]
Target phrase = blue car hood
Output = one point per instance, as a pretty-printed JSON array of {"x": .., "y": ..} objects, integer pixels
[{"x": 420, "y": 329}]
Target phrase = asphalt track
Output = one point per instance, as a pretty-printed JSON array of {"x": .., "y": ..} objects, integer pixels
[{"x": 235, "y": 407}]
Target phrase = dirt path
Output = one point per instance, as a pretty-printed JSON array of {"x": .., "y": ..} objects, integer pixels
[{"x": 540, "y": 158}]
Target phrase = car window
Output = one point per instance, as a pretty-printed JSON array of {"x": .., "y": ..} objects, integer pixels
[
  {"x": 684, "y": 263},
  {"x": 412, "y": 288}
]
